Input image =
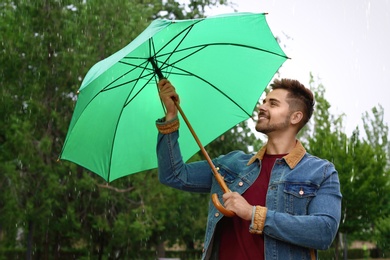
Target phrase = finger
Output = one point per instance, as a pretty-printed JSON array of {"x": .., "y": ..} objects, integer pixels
[
  {"x": 227, "y": 196},
  {"x": 162, "y": 83},
  {"x": 167, "y": 87}
]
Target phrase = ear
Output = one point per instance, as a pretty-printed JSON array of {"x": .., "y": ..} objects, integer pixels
[{"x": 296, "y": 117}]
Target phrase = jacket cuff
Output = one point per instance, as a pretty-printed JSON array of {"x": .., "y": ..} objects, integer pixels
[
  {"x": 258, "y": 219},
  {"x": 167, "y": 127}
]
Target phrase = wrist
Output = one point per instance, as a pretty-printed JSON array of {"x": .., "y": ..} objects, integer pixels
[
  {"x": 170, "y": 116},
  {"x": 250, "y": 213}
]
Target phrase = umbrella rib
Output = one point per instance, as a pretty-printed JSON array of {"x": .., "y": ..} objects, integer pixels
[
  {"x": 198, "y": 48},
  {"x": 123, "y": 107},
  {"x": 106, "y": 89},
  {"x": 126, "y": 82},
  {"x": 151, "y": 45},
  {"x": 185, "y": 57},
  {"x": 165, "y": 65},
  {"x": 137, "y": 79},
  {"x": 188, "y": 30},
  {"x": 124, "y": 74},
  {"x": 136, "y": 66},
  {"x": 216, "y": 88},
  {"x": 246, "y": 46},
  {"x": 128, "y": 102},
  {"x": 202, "y": 46}
]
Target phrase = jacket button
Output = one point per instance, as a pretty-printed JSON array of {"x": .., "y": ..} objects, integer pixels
[
  {"x": 216, "y": 214},
  {"x": 240, "y": 183}
]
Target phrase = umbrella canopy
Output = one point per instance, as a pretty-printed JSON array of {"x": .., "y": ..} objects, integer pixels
[{"x": 219, "y": 65}]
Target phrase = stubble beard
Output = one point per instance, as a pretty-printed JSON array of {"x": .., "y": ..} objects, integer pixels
[{"x": 267, "y": 128}]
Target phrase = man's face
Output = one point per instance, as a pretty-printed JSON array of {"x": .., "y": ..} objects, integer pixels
[{"x": 274, "y": 113}]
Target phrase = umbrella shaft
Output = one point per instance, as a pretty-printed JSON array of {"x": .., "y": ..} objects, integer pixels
[
  {"x": 156, "y": 68},
  {"x": 217, "y": 175}
]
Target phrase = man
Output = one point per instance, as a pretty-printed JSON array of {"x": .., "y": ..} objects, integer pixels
[{"x": 287, "y": 202}]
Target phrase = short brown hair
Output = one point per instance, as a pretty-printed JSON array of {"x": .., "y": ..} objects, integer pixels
[{"x": 299, "y": 97}]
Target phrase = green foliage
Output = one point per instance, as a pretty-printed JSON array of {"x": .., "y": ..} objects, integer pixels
[
  {"x": 241, "y": 137},
  {"x": 49, "y": 208},
  {"x": 382, "y": 232},
  {"x": 362, "y": 165}
]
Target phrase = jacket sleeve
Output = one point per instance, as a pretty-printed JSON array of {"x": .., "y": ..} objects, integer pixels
[
  {"x": 319, "y": 227},
  {"x": 174, "y": 172}
]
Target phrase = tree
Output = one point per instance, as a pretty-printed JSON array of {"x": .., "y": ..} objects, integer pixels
[
  {"x": 361, "y": 164},
  {"x": 49, "y": 207},
  {"x": 377, "y": 133},
  {"x": 31, "y": 116}
]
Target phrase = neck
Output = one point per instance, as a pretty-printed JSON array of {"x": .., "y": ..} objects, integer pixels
[{"x": 280, "y": 145}]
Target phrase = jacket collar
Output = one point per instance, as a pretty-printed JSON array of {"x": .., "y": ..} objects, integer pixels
[{"x": 292, "y": 159}]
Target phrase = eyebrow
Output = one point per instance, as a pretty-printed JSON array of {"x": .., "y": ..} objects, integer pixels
[{"x": 271, "y": 100}]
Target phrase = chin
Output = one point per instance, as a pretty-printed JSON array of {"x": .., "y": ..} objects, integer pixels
[{"x": 259, "y": 129}]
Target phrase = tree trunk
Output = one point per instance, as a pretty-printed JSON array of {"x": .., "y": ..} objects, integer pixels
[
  {"x": 29, "y": 240},
  {"x": 101, "y": 247},
  {"x": 190, "y": 244},
  {"x": 160, "y": 250},
  {"x": 337, "y": 247},
  {"x": 345, "y": 242}
]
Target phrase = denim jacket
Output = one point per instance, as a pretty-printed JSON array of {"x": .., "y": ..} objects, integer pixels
[{"x": 303, "y": 197}]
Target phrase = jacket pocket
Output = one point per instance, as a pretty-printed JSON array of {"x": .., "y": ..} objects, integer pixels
[{"x": 298, "y": 196}]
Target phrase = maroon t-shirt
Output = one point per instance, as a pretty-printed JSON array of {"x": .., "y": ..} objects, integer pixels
[{"x": 235, "y": 240}]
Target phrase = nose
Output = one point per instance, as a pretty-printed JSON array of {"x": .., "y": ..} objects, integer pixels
[{"x": 261, "y": 107}]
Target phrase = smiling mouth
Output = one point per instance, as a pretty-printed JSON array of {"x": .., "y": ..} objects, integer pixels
[{"x": 262, "y": 117}]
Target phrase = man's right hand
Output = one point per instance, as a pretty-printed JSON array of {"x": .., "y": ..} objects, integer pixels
[{"x": 168, "y": 94}]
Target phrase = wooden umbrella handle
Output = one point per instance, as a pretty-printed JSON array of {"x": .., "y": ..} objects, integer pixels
[
  {"x": 218, "y": 205},
  {"x": 217, "y": 175}
]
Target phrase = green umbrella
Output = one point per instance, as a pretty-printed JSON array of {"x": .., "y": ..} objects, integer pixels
[{"x": 219, "y": 65}]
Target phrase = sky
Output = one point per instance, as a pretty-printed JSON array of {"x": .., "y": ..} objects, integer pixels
[{"x": 345, "y": 44}]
